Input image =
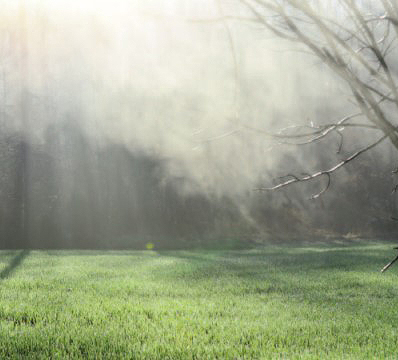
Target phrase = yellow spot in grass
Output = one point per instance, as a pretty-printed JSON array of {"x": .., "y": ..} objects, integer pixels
[{"x": 149, "y": 246}]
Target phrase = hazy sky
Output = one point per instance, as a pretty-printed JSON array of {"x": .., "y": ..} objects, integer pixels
[{"x": 145, "y": 75}]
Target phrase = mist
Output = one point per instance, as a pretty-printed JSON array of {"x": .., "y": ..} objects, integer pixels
[{"x": 139, "y": 122}]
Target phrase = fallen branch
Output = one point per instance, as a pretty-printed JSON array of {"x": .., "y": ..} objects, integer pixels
[{"x": 385, "y": 268}]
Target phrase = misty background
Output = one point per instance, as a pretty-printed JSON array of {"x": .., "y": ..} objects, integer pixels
[{"x": 126, "y": 123}]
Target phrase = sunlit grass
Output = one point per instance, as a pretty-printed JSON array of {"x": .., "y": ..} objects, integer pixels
[{"x": 275, "y": 302}]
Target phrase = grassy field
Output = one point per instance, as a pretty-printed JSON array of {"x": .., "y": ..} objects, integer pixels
[{"x": 274, "y": 302}]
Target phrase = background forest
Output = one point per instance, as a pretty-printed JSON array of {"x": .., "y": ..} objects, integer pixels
[{"x": 119, "y": 128}]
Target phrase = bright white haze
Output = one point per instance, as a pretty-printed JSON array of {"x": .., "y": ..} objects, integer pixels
[{"x": 146, "y": 75}]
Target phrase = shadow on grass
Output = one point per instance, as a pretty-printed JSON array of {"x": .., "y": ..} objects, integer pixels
[
  {"x": 95, "y": 252},
  {"x": 14, "y": 263},
  {"x": 344, "y": 280},
  {"x": 271, "y": 263}
]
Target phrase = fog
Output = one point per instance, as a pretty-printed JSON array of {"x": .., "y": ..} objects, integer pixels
[{"x": 131, "y": 122}]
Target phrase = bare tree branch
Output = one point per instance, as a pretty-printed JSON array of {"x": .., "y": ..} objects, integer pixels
[
  {"x": 328, "y": 172},
  {"x": 355, "y": 50}
]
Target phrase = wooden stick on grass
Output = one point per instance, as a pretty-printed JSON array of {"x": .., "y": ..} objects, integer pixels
[{"x": 390, "y": 263}]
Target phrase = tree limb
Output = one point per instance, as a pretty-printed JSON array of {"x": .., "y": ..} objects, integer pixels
[{"x": 328, "y": 172}]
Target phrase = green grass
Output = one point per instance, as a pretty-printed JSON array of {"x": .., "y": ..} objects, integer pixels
[{"x": 274, "y": 302}]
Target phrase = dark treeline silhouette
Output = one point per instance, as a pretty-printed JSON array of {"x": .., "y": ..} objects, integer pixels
[{"x": 66, "y": 192}]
